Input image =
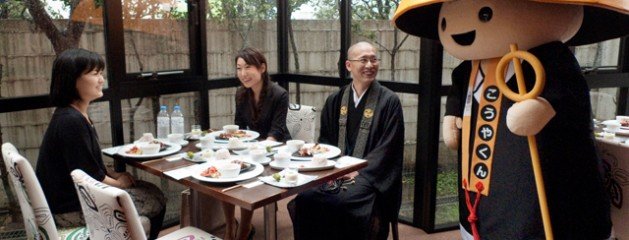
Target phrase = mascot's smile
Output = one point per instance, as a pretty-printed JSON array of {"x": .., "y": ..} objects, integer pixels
[{"x": 465, "y": 39}]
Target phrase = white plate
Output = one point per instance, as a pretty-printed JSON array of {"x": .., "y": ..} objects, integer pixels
[
  {"x": 333, "y": 151},
  {"x": 253, "y": 135},
  {"x": 246, "y": 153},
  {"x": 301, "y": 179},
  {"x": 303, "y": 166},
  {"x": 170, "y": 150},
  {"x": 197, "y": 157},
  {"x": 619, "y": 131},
  {"x": 219, "y": 146},
  {"x": 264, "y": 162},
  {"x": 241, "y": 177}
]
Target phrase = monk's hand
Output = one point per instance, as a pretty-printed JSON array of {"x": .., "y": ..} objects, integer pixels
[
  {"x": 452, "y": 131},
  {"x": 349, "y": 176},
  {"x": 528, "y": 117}
]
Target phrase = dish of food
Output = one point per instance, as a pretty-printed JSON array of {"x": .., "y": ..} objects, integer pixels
[
  {"x": 303, "y": 166},
  {"x": 309, "y": 149},
  {"x": 243, "y": 135},
  {"x": 134, "y": 151},
  {"x": 279, "y": 180},
  {"x": 209, "y": 169}
]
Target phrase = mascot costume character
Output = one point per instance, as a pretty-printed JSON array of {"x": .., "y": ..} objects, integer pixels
[{"x": 521, "y": 119}]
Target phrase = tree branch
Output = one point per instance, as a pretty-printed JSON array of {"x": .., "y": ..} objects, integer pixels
[{"x": 42, "y": 19}]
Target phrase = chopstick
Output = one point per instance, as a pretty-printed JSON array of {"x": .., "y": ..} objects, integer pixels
[{"x": 232, "y": 187}]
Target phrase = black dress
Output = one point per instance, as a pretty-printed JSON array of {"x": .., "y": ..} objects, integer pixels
[
  {"x": 578, "y": 205},
  {"x": 271, "y": 121},
  {"x": 70, "y": 142},
  {"x": 347, "y": 214}
]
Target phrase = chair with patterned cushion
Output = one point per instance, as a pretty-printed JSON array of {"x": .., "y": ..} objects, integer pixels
[
  {"x": 38, "y": 220},
  {"x": 110, "y": 214},
  {"x": 300, "y": 121}
]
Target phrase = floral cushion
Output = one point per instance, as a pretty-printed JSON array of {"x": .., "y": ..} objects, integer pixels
[{"x": 77, "y": 233}]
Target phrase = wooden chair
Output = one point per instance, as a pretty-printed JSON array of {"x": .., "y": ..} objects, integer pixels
[
  {"x": 38, "y": 220},
  {"x": 300, "y": 121},
  {"x": 110, "y": 214}
]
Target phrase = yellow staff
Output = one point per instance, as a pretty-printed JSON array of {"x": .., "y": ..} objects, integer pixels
[{"x": 540, "y": 79}]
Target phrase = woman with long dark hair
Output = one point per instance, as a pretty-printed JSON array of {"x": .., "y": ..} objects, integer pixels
[{"x": 261, "y": 106}]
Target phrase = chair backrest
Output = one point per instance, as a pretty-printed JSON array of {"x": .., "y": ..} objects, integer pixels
[
  {"x": 109, "y": 212},
  {"x": 300, "y": 121},
  {"x": 38, "y": 220}
]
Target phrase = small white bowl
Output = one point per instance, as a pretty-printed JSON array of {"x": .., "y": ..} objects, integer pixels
[
  {"x": 222, "y": 154},
  {"x": 228, "y": 170},
  {"x": 257, "y": 154},
  {"x": 230, "y": 128},
  {"x": 282, "y": 158}
]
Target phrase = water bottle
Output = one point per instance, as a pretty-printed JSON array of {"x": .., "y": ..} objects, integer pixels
[
  {"x": 163, "y": 123},
  {"x": 176, "y": 121}
]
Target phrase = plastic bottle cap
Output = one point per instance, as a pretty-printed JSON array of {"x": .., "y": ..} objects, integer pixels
[
  {"x": 177, "y": 107},
  {"x": 163, "y": 107}
]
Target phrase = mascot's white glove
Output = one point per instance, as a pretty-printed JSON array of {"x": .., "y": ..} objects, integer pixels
[
  {"x": 528, "y": 117},
  {"x": 452, "y": 131}
]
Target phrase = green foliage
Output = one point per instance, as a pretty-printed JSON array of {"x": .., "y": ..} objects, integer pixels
[
  {"x": 447, "y": 183},
  {"x": 361, "y": 9},
  {"x": 255, "y": 10}
]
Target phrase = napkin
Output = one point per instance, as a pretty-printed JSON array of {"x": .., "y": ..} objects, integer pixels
[
  {"x": 346, "y": 161},
  {"x": 111, "y": 151},
  {"x": 183, "y": 172}
]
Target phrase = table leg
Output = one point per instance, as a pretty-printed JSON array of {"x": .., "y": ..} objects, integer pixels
[{"x": 270, "y": 221}]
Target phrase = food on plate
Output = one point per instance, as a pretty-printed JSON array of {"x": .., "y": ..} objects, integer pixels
[
  {"x": 277, "y": 177},
  {"x": 269, "y": 149},
  {"x": 190, "y": 154},
  {"x": 243, "y": 165},
  {"x": 310, "y": 151},
  {"x": 235, "y": 143},
  {"x": 211, "y": 172},
  {"x": 237, "y": 134},
  {"x": 222, "y": 154},
  {"x": 135, "y": 150}
]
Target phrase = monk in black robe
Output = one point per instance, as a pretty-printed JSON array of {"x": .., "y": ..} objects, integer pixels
[{"x": 369, "y": 118}]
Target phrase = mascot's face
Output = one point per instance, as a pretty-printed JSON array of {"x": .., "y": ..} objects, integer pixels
[{"x": 483, "y": 29}]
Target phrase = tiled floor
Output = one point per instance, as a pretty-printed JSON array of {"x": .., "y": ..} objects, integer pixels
[{"x": 285, "y": 230}]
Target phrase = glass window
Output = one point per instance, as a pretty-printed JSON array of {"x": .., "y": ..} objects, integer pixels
[
  {"x": 601, "y": 55},
  {"x": 222, "y": 104},
  {"x": 233, "y": 25},
  {"x": 156, "y": 35},
  {"x": 409, "y": 107},
  {"x": 27, "y": 53},
  {"x": 314, "y": 37},
  {"x": 398, "y": 52},
  {"x": 447, "y": 207},
  {"x": 604, "y": 103}
]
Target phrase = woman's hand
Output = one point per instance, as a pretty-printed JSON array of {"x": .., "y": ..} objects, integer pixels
[{"x": 125, "y": 181}]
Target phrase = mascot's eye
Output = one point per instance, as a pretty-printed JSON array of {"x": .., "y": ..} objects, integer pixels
[
  {"x": 443, "y": 24},
  {"x": 485, "y": 14}
]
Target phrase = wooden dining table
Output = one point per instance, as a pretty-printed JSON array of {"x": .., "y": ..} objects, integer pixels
[{"x": 253, "y": 198}]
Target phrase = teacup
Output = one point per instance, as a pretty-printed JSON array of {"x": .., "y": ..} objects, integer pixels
[
  {"x": 294, "y": 145},
  {"x": 206, "y": 142},
  {"x": 235, "y": 143},
  {"x": 282, "y": 158},
  {"x": 291, "y": 175},
  {"x": 230, "y": 128},
  {"x": 222, "y": 154},
  {"x": 175, "y": 138},
  {"x": 257, "y": 154}
]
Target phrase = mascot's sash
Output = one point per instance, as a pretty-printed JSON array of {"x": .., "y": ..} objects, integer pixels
[{"x": 477, "y": 167}]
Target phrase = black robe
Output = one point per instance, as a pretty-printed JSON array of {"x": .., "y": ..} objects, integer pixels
[
  {"x": 272, "y": 119},
  {"x": 577, "y": 202},
  {"x": 347, "y": 215}
]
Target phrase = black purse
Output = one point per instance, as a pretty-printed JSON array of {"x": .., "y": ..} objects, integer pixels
[{"x": 335, "y": 186}]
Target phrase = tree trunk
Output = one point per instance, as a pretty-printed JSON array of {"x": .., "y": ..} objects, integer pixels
[
  {"x": 14, "y": 207},
  {"x": 295, "y": 54}
]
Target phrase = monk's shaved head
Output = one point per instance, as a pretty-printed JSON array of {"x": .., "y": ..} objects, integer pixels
[{"x": 353, "y": 50}]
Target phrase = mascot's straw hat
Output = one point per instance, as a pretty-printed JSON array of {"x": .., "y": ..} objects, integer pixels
[{"x": 602, "y": 20}]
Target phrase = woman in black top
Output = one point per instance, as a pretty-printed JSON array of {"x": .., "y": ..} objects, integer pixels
[
  {"x": 71, "y": 142},
  {"x": 261, "y": 106}
]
